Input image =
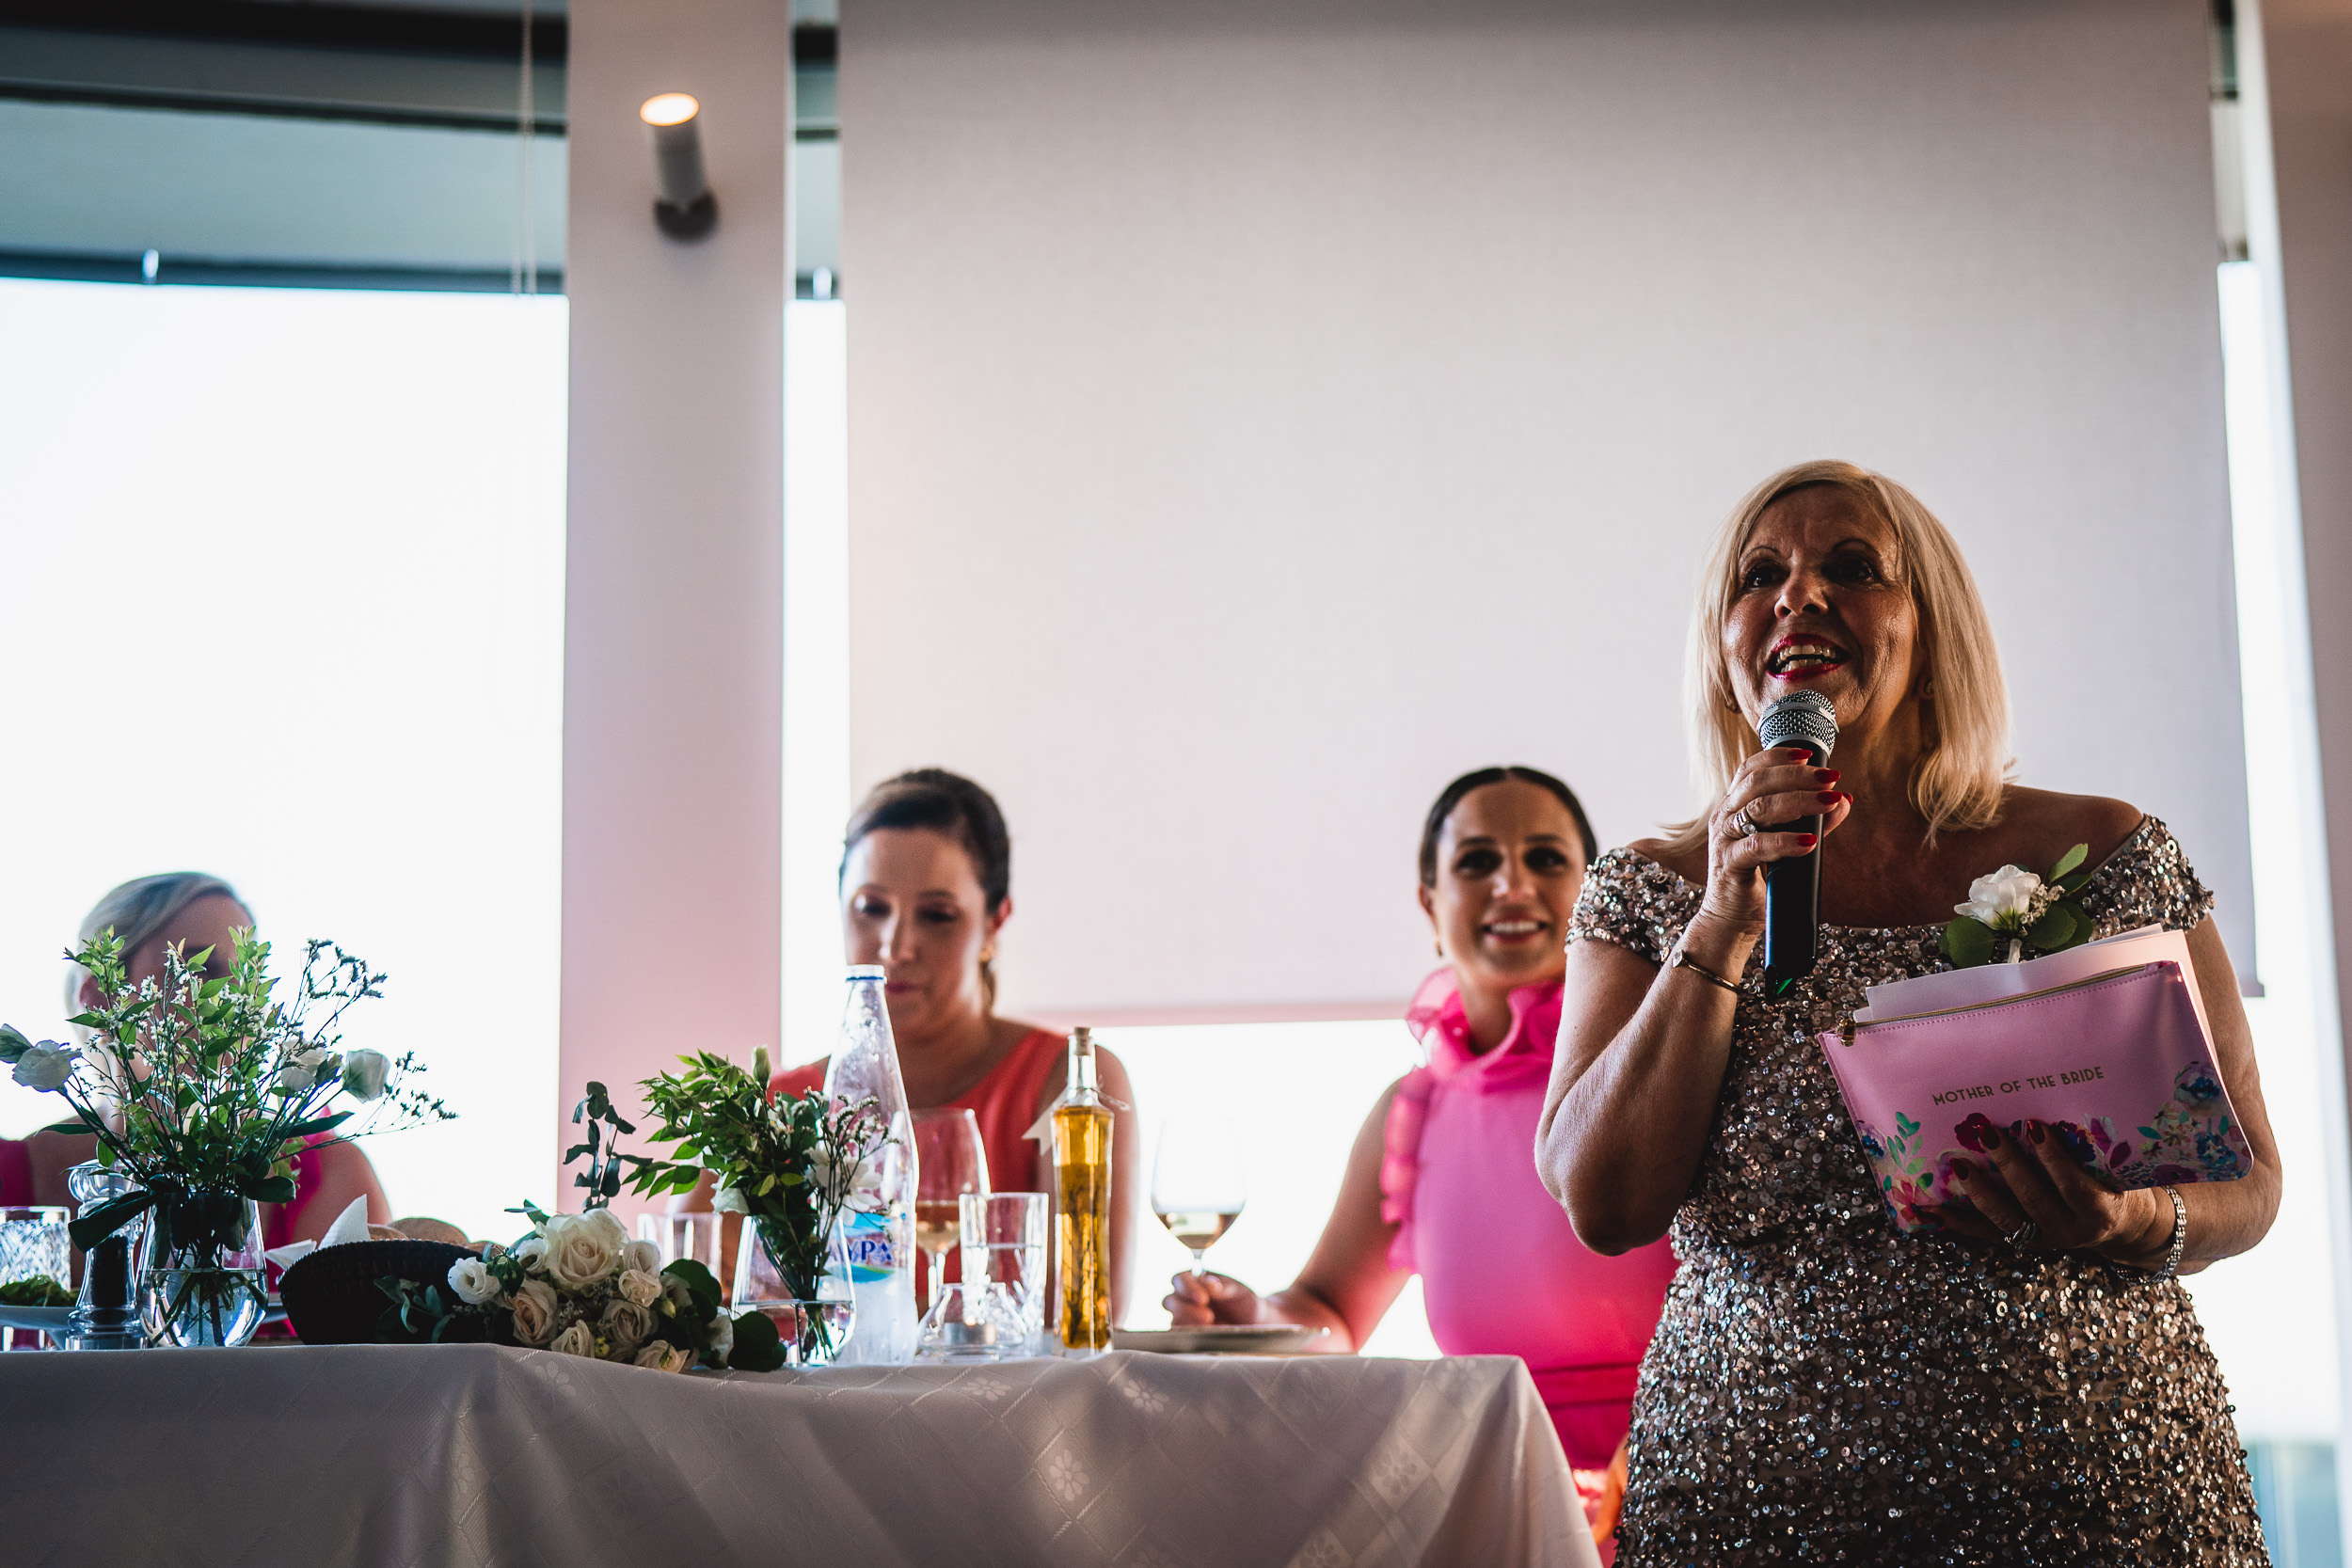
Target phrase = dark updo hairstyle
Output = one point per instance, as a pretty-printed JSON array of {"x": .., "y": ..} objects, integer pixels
[
  {"x": 953, "y": 805},
  {"x": 1451, "y": 794}
]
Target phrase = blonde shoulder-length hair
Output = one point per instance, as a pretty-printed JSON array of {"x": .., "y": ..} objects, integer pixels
[{"x": 1963, "y": 762}]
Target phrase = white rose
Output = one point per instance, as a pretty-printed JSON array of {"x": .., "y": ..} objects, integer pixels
[
  {"x": 364, "y": 1072},
  {"x": 653, "y": 1355},
  {"x": 582, "y": 1249},
  {"x": 722, "y": 1336},
  {"x": 640, "y": 1286},
  {"x": 642, "y": 1255},
  {"x": 535, "y": 1311},
  {"x": 471, "y": 1279},
  {"x": 2001, "y": 900},
  {"x": 730, "y": 1201},
  {"x": 297, "y": 1073},
  {"x": 579, "y": 1340},
  {"x": 626, "y": 1325},
  {"x": 531, "y": 1252},
  {"x": 679, "y": 1359},
  {"x": 46, "y": 1066}
]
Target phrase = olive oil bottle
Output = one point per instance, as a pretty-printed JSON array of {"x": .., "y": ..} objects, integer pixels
[{"x": 1082, "y": 1204}]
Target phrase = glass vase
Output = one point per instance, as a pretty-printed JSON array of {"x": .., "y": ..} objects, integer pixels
[
  {"x": 804, "y": 1290},
  {"x": 201, "y": 1277}
]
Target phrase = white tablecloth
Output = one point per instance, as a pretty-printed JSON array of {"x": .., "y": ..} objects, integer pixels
[{"x": 466, "y": 1455}]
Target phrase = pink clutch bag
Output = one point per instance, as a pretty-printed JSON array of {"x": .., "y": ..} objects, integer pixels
[{"x": 2118, "y": 1063}]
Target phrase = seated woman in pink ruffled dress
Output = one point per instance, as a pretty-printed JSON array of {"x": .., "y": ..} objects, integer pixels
[{"x": 1442, "y": 1178}]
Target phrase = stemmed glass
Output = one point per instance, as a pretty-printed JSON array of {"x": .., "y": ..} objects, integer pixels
[
  {"x": 949, "y": 1161},
  {"x": 1198, "y": 1185}
]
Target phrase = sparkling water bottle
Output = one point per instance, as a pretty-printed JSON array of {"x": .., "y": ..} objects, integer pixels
[{"x": 879, "y": 1229}]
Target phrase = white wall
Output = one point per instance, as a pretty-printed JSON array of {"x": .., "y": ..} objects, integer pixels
[
  {"x": 1261, "y": 414},
  {"x": 673, "y": 646}
]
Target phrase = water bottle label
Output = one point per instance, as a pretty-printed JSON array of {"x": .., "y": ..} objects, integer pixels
[{"x": 868, "y": 1241}]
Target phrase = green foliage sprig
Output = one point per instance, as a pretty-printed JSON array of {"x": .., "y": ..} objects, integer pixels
[
  {"x": 203, "y": 1085},
  {"x": 603, "y": 1176},
  {"x": 792, "y": 1163},
  {"x": 2011, "y": 915}
]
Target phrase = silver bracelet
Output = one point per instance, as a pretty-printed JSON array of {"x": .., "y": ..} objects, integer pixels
[{"x": 2179, "y": 1235}]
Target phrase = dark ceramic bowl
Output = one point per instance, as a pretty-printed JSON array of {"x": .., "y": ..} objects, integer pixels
[{"x": 331, "y": 1297}]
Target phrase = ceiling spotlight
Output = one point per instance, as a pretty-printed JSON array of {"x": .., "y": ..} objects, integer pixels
[{"x": 685, "y": 210}]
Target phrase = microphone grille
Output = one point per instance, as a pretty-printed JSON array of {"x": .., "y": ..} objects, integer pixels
[{"x": 1799, "y": 718}]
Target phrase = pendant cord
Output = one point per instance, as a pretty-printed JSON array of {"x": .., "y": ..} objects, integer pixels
[{"x": 523, "y": 271}]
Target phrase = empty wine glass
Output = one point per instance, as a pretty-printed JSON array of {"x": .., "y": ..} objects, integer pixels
[
  {"x": 1198, "y": 1181},
  {"x": 949, "y": 1161}
]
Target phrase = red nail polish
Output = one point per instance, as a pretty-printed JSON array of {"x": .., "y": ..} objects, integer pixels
[
  {"x": 1831, "y": 797},
  {"x": 1828, "y": 775},
  {"x": 1846, "y": 795},
  {"x": 2036, "y": 1128},
  {"x": 1807, "y": 840}
]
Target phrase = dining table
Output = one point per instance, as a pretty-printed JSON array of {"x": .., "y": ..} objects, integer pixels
[{"x": 388, "y": 1456}]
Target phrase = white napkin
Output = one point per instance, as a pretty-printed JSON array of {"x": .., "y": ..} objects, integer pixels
[{"x": 350, "y": 1226}]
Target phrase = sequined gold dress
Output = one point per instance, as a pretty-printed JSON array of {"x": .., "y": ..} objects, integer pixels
[{"x": 1824, "y": 1389}]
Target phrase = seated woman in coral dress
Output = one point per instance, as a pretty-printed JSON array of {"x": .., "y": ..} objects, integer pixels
[
  {"x": 1442, "y": 1180},
  {"x": 194, "y": 912},
  {"x": 926, "y": 887}
]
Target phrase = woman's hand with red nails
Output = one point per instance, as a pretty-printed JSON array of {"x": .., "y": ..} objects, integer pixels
[
  {"x": 2039, "y": 1180},
  {"x": 1772, "y": 786}
]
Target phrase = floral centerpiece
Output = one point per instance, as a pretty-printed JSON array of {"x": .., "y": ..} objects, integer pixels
[
  {"x": 2013, "y": 914},
  {"x": 205, "y": 1089},
  {"x": 790, "y": 1164},
  {"x": 576, "y": 1284}
]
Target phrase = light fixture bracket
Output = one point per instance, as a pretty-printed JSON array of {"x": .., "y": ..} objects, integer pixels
[{"x": 689, "y": 222}]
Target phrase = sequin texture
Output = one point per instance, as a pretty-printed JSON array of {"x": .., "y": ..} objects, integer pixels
[{"x": 1825, "y": 1389}]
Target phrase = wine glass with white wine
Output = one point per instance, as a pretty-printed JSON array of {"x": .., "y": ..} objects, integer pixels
[
  {"x": 949, "y": 1161},
  {"x": 1199, "y": 1182}
]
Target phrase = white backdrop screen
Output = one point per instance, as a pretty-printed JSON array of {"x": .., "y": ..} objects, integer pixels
[{"x": 1261, "y": 413}]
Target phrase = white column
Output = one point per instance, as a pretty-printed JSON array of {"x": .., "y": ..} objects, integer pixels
[{"x": 672, "y": 662}]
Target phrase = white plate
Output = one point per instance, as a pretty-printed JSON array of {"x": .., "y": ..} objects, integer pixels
[
  {"x": 1220, "y": 1339},
  {"x": 48, "y": 1319},
  {"x": 51, "y": 1320}
]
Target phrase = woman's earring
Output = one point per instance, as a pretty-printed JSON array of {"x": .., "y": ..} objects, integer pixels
[{"x": 1437, "y": 946}]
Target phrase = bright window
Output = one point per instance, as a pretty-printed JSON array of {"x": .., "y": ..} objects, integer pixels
[
  {"x": 281, "y": 584},
  {"x": 2270, "y": 1314}
]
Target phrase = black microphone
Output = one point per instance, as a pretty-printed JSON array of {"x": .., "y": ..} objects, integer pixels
[{"x": 1792, "y": 887}]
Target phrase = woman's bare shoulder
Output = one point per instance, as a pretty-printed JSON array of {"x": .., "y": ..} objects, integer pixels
[{"x": 2044, "y": 824}]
